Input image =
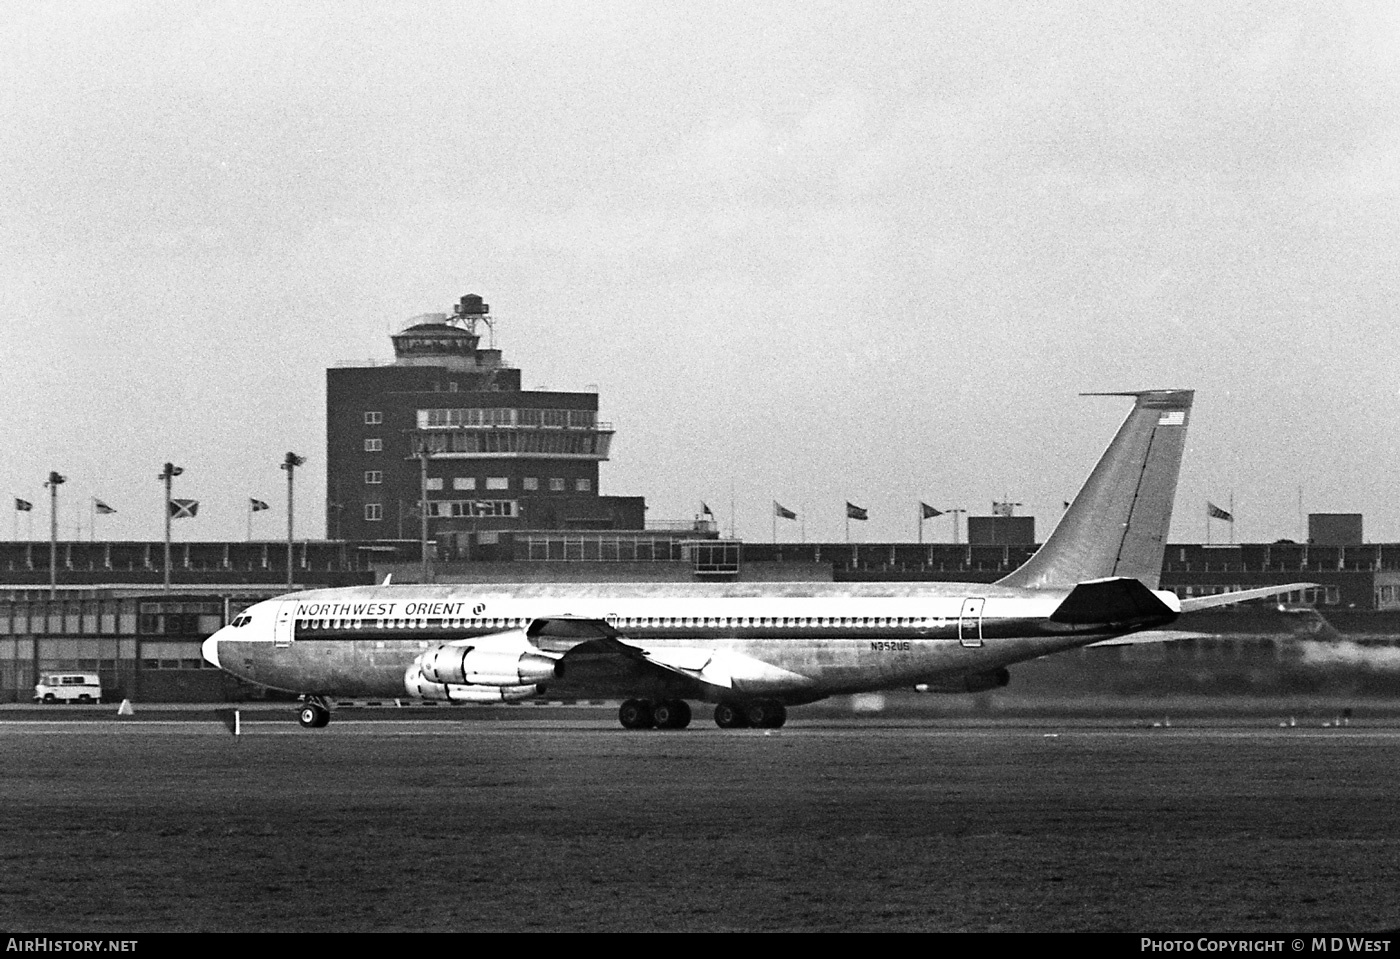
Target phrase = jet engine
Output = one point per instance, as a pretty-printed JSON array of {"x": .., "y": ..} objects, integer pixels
[
  {"x": 968, "y": 683},
  {"x": 415, "y": 684},
  {"x": 507, "y": 659}
]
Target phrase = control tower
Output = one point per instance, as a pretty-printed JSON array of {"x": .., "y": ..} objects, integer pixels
[{"x": 498, "y": 457}]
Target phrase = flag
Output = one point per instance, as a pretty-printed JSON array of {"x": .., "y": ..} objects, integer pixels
[
  {"x": 855, "y": 512},
  {"x": 102, "y": 508},
  {"x": 1003, "y": 509},
  {"x": 783, "y": 513},
  {"x": 183, "y": 508},
  {"x": 928, "y": 512},
  {"x": 1215, "y": 512},
  {"x": 23, "y": 505},
  {"x": 705, "y": 511},
  {"x": 257, "y": 505}
]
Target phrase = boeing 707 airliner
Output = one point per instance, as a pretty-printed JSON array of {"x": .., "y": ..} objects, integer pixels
[{"x": 751, "y": 649}]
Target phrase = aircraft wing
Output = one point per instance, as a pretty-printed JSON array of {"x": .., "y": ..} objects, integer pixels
[
  {"x": 596, "y": 640},
  {"x": 1151, "y": 636},
  {"x": 1241, "y": 595}
]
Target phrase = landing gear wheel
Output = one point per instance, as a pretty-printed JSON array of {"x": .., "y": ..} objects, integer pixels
[
  {"x": 759, "y": 715},
  {"x": 671, "y": 714},
  {"x": 314, "y": 716},
  {"x": 635, "y": 714},
  {"x": 728, "y": 716}
]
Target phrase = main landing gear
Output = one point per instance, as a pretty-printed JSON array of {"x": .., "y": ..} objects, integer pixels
[
  {"x": 675, "y": 714},
  {"x": 315, "y": 712},
  {"x": 760, "y": 714},
  {"x": 664, "y": 714}
]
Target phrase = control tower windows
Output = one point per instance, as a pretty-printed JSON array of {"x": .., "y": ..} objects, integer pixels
[
  {"x": 374, "y": 512},
  {"x": 373, "y": 417},
  {"x": 374, "y": 446},
  {"x": 373, "y": 477}
]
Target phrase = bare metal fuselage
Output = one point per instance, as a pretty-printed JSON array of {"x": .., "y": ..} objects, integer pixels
[{"x": 791, "y": 642}]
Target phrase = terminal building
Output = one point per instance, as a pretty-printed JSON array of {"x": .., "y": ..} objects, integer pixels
[{"x": 448, "y": 425}]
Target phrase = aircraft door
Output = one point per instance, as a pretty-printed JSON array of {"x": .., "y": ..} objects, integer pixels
[
  {"x": 970, "y": 621},
  {"x": 284, "y": 625}
]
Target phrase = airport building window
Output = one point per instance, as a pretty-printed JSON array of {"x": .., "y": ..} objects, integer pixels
[
  {"x": 374, "y": 445},
  {"x": 557, "y": 484},
  {"x": 498, "y": 482},
  {"x": 583, "y": 485},
  {"x": 530, "y": 483},
  {"x": 435, "y": 483},
  {"x": 373, "y": 417},
  {"x": 374, "y": 512},
  {"x": 373, "y": 477},
  {"x": 474, "y": 507},
  {"x": 508, "y": 416},
  {"x": 464, "y": 482}
]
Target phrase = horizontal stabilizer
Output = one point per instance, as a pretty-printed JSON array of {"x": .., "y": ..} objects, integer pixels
[
  {"x": 1240, "y": 596},
  {"x": 1116, "y": 600}
]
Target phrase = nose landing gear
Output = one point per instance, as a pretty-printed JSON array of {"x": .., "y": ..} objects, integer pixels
[{"x": 315, "y": 712}]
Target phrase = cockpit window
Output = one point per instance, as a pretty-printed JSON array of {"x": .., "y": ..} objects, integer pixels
[{"x": 242, "y": 619}]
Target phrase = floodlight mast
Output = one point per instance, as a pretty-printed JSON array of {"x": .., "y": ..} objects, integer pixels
[
  {"x": 290, "y": 463},
  {"x": 53, "y": 483},
  {"x": 168, "y": 473}
]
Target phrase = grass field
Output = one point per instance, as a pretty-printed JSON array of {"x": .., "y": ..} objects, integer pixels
[{"x": 574, "y": 824}]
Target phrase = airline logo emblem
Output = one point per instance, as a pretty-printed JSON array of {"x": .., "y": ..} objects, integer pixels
[{"x": 1173, "y": 418}]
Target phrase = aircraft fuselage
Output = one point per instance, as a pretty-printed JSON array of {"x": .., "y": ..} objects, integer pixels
[{"x": 812, "y": 642}]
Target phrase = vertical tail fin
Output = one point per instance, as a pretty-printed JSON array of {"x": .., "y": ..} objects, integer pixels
[{"x": 1117, "y": 525}]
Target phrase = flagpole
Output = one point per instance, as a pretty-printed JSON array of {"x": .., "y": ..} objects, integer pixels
[
  {"x": 1232, "y": 517},
  {"x": 250, "y": 520},
  {"x": 921, "y": 524}
]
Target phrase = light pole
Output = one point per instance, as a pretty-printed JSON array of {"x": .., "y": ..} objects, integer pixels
[
  {"x": 290, "y": 464},
  {"x": 54, "y": 482},
  {"x": 423, "y": 510},
  {"x": 168, "y": 473}
]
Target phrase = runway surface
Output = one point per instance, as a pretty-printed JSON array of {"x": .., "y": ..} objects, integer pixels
[{"x": 571, "y": 823}]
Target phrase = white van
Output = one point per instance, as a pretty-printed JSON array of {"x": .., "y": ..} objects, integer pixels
[{"x": 68, "y": 688}]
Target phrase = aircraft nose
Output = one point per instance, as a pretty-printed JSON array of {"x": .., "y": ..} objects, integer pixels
[{"x": 210, "y": 650}]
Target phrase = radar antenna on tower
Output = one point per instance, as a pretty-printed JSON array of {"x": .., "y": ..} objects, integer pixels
[{"x": 471, "y": 310}]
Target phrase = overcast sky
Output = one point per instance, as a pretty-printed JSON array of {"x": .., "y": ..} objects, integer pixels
[{"x": 807, "y": 252}]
